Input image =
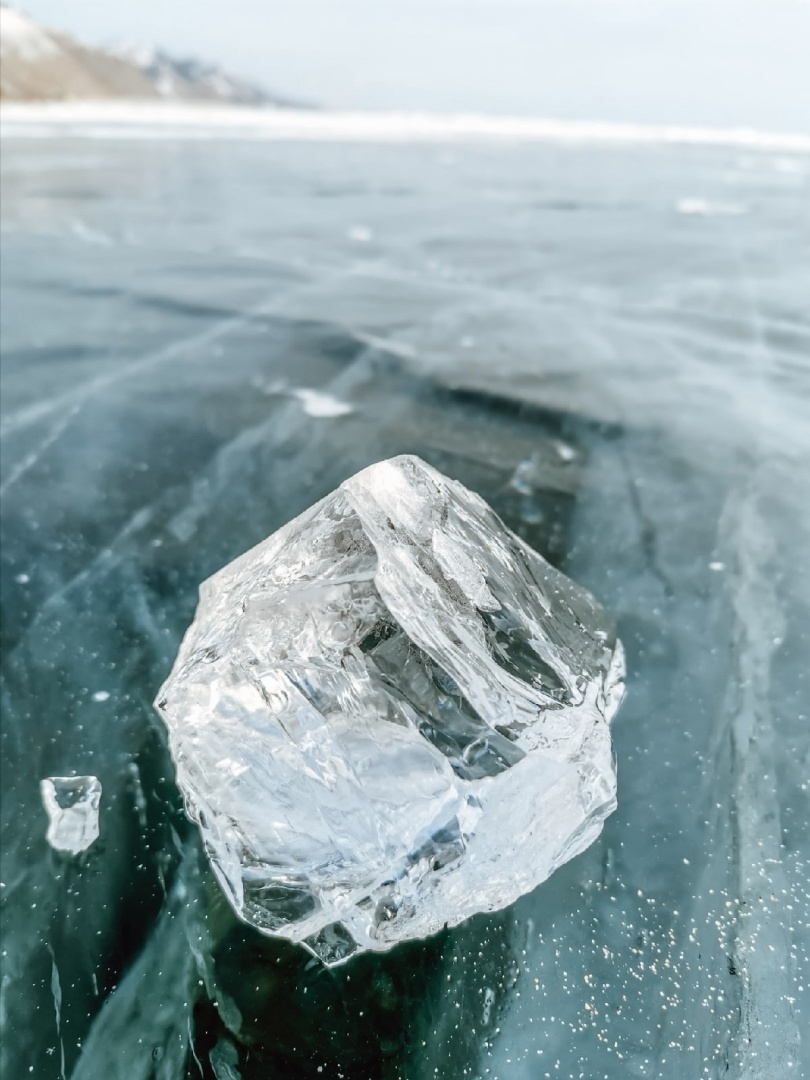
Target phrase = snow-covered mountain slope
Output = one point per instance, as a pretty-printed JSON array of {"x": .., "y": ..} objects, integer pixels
[
  {"x": 185, "y": 78},
  {"x": 22, "y": 38},
  {"x": 41, "y": 64}
]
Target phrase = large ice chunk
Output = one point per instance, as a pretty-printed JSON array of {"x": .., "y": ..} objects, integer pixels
[
  {"x": 71, "y": 803},
  {"x": 390, "y": 715}
]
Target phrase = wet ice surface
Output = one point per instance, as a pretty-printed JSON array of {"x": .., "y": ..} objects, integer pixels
[
  {"x": 507, "y": 302},
  {"x": 375, "y": 708},
  {"x": 71, "y": 803}
]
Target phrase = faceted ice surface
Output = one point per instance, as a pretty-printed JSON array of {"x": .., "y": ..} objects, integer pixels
[
  {"x": 390, "y": 715},
  {"x": 71, "y": 803}
]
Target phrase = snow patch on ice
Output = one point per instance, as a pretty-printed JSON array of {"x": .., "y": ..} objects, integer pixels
[{"x": 316, "y": 403}]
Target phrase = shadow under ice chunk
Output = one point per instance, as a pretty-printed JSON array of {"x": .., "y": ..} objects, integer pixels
[
  {"x": 390, "y": 715},
  {"x": 71, "y": 803}
]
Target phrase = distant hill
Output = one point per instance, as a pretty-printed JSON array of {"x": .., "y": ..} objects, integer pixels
[
  {"x": 37, "y": 64},
  {"x": 189, "y": 78}
]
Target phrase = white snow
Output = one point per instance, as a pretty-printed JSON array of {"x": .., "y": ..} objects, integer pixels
[
  {"x": 172, "y": 76},
  {"x": 155, "y": 120},
  {"x": 315, "y": 403},
  {"x": 137, "y": 53},
  {"x": 21, "y": 37},
  {"x": 166, "y": 85}
]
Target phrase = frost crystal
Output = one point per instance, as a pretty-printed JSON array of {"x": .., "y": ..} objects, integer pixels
[
  {"x": 390, "y": 715},
  {"x": 71, "y": 803}
]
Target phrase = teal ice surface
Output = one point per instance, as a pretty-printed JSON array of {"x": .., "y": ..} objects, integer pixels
[{"x": 591, "y": 339}]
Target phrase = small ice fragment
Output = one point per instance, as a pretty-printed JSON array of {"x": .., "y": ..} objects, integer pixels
[
  {"x": 101, "y": 695},
  {"x": 717, "y": 566},
  {"x": 71, "y": 803},
  {"x": 22, "y": 579},
  {"x": 315, "y": 403},
  {"x": 564, "y": 451},
  {"x": 361, "y": 234}
]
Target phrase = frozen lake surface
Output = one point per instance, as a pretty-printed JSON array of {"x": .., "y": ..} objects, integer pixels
[{"x": 611, "y": 344}]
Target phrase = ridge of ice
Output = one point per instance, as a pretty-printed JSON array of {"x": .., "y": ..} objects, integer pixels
[{"x": 390, "y": 715}]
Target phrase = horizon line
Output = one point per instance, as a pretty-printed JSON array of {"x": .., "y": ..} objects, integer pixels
[{"x": 196, "y": 120}]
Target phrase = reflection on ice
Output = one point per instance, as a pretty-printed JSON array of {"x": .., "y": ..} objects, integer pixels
[{"x": 71, "y": 803}]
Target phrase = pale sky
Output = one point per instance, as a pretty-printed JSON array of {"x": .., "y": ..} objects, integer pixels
[{"x": 703, "y": 62}]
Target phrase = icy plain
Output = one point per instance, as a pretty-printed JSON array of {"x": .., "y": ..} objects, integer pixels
[{"x": 625, "y": 384}]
